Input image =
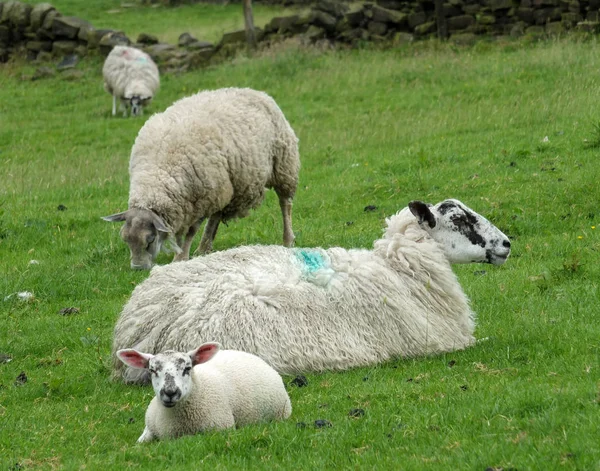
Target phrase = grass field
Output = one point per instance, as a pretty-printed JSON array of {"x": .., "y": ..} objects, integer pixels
[{"x": 511, "y": 129}]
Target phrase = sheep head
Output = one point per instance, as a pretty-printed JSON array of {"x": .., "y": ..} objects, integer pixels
[{"x": 465, "y": 236}]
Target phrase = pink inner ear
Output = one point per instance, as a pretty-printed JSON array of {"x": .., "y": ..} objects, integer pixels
[
  {"x": 133, "y": 358},
  {"x": 204, "y": 353}
]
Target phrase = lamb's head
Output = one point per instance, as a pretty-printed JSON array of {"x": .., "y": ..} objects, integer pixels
[
  {"x": 171, "y": 371},
  {"x": 137, "y": 103},
  {"x": 145, "y": 232},
  {"x": 137, "y": 95},
  {"x": 465, "y": 236}
]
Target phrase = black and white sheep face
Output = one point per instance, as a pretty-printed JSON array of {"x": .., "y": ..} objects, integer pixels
[
  {"x": 171, "y": 371},
  {"x": 466, "y": 237},
  {"x": 144, "y": 232},
  {"x": 137, "y": 103}
]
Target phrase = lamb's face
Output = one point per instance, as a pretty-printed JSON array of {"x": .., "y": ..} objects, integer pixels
[
  {"x": 466, "y": 237},
  {"x": 171, "y": 374},
  {"x": 137, "y": 104}
]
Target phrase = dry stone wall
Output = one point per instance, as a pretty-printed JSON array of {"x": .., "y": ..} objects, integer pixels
[{"x": 40, "y": 32}]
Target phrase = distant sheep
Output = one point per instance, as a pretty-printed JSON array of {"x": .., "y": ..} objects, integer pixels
[
  {"x": 131, "y": 76},
  {"x": 305, "y": 310},
  {"x": 208, "y": 389},
  {"x": 210, "y": 155}
]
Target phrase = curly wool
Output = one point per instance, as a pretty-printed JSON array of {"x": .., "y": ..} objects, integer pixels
[
  {"x": 210, "y": 152},
  {"x": 305, "y": 310},
  {"x": 129, "y": 72},
  {"x": 232, "y": 389}
]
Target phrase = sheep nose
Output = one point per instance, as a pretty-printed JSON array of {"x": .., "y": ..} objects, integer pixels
[
  {"x": 171, "y": 393},
  {"x": 506, "y": 244}
]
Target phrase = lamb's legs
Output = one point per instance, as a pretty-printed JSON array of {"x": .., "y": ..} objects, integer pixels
[
  {"x": 114, "y": 111},
  {"x": 285, "y": 203},
  {"x": 146, "y": 436},
  {"x": 187, "y": 243},
  {"x": 210, "y": 231}
]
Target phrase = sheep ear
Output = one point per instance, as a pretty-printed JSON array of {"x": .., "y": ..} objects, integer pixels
[
  {"x": 204, "y": 353},
  {"x": 422, "y": 212},
  {"x": 134, "y": 358},
  {"x": 160, "y": 225},
  {"x": 116, "y": 217}
]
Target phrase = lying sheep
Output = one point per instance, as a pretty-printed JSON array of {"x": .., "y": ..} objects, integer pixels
[
  {"x": 194, "y": 394},
  {"x": 210, "y": 155},
  {"x": 305, "y": 310},
  {"x": 131, "y": 76}
]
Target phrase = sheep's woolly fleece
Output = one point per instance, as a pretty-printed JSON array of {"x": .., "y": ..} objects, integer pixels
[
  {"x": 305, "y": 309},
  {"x": 232, "y": 389},
  {"x": 129, "y": 72},
  {"x": 210, "y": 152}
]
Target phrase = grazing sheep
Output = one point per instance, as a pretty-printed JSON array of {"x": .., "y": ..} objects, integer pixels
[
  {"x": 194, "y": 394},
  {"x": 305, "y": 310},
  {"x": 131, "y": 76},
  {"x": 210, "y": 155}
]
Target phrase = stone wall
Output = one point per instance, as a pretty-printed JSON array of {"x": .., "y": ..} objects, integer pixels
[{"x": 40, "y": 32}]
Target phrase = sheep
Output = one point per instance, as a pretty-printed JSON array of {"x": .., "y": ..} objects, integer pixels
[
  {"x": 207, "y": 389},
  {"x": 308, "y": 310},
  {"x": 131, "y": 76},
  {"x": 210, "y": 155}
]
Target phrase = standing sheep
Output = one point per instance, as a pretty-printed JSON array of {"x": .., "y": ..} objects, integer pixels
[
  {"x": 194, "y": 394},
  {"x": 305, "y": 310},
  {"x": 131, "y": 76},
  {"x": 210, "y": 155}
]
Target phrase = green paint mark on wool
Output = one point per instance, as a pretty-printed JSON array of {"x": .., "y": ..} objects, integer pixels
[{"x": 312, "y": 260}]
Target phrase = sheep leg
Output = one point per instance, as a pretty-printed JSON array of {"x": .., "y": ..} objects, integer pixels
[
  {"x": 210, "y": 231},
  {"x": 114, "y": 110},
  {"x": 187, "y": 243},
  {"x": 285, "y": 203},
  {"x": 146, "y": 436}
]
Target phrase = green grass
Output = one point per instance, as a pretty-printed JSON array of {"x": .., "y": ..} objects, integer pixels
[
  {"x": 207, "y": 22},
  {"x": 376, "y": 128}
]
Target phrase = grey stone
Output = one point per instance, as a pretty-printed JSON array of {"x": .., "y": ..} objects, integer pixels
[
  {"x": 471, "y": 9},
  {"x": 518, "y": 29},
  {"x": 463, "y": 39},
  {"x": 571, "y": 19},
  {"x": 384, "y": 15},
  {"x": 185, "y": 39},
  {"x": 238, "y": 36},
  {"x": 555, "y": 28},
  {"x": 95, "y": 36},
  {"x": 545, "y": 15},
  {"x": 17, "y": 13},
  {"x": 63, "y": 47},
  {"x": 160, "y": 52},
  {"x": 85, "y": 32},
  {"x": 486, "y": 19},
  {"x": 37, "y": 46},
  {"x": 323, "y": 20},
  {"x": 355, "y": 18},
  {"x": 68, "y": 26},
  {"x": 68, "y": 62},
  {"x": 44, "y": 56},
  {"x": 71, "y": 74},
  {"x": 201, "y": 56},
  {"x": 200, "y": 45},
  {"x": 282, "y": 24},
  {"x": 46, "y": 30},
  {"x": 43, "y": 72},
  {"x": 460, "y": 22},
  {"x": 534, "y": 30},
  {"x": 416, "y": 19},
  {"x": 353, "y": 35},
  {"x": 525, "y": 14},
  {"x": 314, "y": 33},
  {"x": 145, "y": 38},
  {"x": 336, "y": 9},
  {"x": 499, "y": 4},
  {"x": 376, "y": 27},
  {"x": 38, "y": 13},
  {"x": 110, "y": 40},
  {"x": 425, "y": 28},
  {"x": 403, "y": 38}
]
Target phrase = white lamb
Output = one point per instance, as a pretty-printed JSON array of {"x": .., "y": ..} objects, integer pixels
[
  {"x": 131, "y": 76},
  {"x": 210, "y": 155},
  {"x": 305, "y": 310},
  {"x": 194, "y": 394}
]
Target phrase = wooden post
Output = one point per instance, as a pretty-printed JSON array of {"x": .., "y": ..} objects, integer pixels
[
  {"x": 440, "y": 20},
  {"x": 249, "y": 23}
]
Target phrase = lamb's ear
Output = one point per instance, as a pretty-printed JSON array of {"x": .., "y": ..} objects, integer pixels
[
  {"x": 116, "y": 217},
  {"x": 422, "y": 212},
  {"x": 134, "y": 358},
  {"x": 204, "y": 353},
  {"x": 160, "y": 225}
]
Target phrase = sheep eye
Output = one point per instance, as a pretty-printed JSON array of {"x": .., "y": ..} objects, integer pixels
[
  {"x": 150, "y": 239},
  {"x": 186, "y": 370}
]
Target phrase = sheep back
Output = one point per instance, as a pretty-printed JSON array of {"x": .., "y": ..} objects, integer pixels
[
  {"x": 304, "y": 309},
  {"x": 213, "y": 151},
  {"x": 130, "y": 72}
]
